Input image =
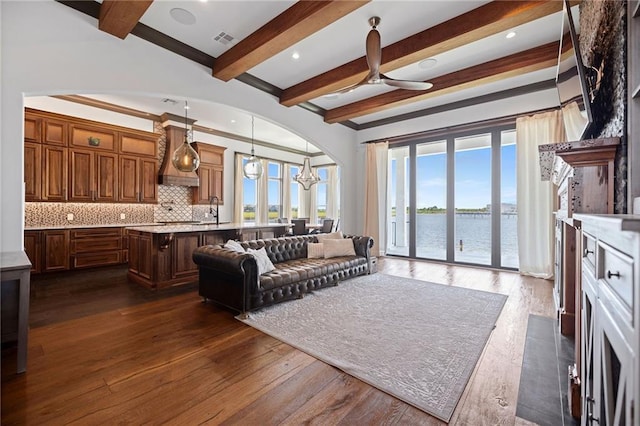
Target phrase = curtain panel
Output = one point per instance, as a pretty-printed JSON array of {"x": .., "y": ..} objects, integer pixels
[{"x": 535, "y": 198}]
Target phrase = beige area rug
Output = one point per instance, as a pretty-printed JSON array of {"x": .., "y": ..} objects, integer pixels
[{"x": 415, "y": 340}]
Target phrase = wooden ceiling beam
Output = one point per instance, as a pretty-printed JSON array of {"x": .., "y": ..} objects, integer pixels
[
  {"x": 481, "y": 22},
  {"x": 535, "y": 59},
  {"x": 291, "y": 26},
  {"x": 118, "y": 17}
]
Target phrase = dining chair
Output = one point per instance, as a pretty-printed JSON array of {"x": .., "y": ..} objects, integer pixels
[
  {"x": 299, "y": 227},
  {"x": 327, "y": 226}
]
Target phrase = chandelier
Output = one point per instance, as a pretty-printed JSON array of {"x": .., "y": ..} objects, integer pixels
[
  {"x": 253, "y": 167},
  {"x": 185, "y": 158},
  {"x": 306, "y": 177}
]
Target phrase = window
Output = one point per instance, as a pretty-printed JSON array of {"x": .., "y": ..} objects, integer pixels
[
  {"x": 322, "y": 193},
  {"x": 454, "y": 199},
  {"x": 250, "y": 201},
  {"x": 274, "y": 195}
]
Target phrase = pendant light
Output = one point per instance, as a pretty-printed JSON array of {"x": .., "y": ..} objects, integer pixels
[
  {"x": 305, "y": 177},
  {"x": 185, "y": 158},
  {"x": 253, "y": 167}
]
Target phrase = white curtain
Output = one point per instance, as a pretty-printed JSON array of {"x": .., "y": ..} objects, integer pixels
[
  {"x": 303, "y": 208},
  {"x": 332, "y": 192},
  {"x": 238, "y": 194},
  {"x": 574, "y": 121},
  {"x": 286, "y": 191},
  {"x": 375, "y": 218},
  {"x": 313, "y": 200},
  {"x": 262, "y": 194},
  {"x": 535, "y": 197}
]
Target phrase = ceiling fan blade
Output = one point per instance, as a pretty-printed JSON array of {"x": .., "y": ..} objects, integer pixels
[
  {"x": 406, "y": 84},
  {"x": 374, "y": 53}
]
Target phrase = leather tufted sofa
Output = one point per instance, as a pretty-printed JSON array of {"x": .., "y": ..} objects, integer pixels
[{"x": 231, "y": 279}]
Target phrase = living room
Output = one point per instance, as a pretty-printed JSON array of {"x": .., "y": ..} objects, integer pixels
[{"x": 67, "y": 55}]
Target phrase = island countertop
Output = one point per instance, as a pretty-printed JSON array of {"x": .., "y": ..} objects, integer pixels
[{"x": 200, "y": 227}]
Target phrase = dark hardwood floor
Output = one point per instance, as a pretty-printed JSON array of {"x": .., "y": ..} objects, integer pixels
[{"x": 105, "y": 351}]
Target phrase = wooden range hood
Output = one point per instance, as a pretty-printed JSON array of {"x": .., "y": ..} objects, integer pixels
[{"x": 168, "y": 174}]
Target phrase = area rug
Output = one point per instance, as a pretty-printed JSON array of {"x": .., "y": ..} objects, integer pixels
[{"x": 415, "y": 340}]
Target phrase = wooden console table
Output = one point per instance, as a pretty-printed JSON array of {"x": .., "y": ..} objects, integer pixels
[{"x": 15, "y": 265}]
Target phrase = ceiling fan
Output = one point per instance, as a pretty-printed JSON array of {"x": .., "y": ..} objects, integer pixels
[{"x": 374, "y": 57}]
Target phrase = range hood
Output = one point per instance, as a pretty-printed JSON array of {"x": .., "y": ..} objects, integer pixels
[{"x": 168, "y": 174}]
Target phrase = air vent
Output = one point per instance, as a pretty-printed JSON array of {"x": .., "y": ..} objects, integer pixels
[
  {"x": 169, "y": 101},
  {"x": 224, "y": 38}
]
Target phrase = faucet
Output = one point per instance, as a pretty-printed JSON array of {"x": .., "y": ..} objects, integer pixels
[{"x": 211, "y": 211}]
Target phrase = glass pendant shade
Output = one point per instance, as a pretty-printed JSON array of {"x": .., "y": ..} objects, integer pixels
[
  {"x": 305, "y": 177},
  {"x": 185, "y": 158},
  {"x": 252, "y": 168}
]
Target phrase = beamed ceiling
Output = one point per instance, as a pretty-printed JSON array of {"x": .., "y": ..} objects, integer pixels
[{"x": 474, "y": 60}]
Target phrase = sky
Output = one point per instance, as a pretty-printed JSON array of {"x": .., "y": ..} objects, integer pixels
[{"x": 472, "y": 178}]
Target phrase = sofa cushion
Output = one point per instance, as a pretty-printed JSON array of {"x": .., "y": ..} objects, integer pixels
[
  {"x": 315, "y": 250},
  {"x": 234, "y": 245},
  {"x": 263, "y": 261},
  {"x": 335, "y": 248},
  {"x": 330, "y": 236},
  {"x": 303, "y": 270}
]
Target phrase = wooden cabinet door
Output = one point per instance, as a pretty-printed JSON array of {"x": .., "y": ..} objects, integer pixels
[
  {"x": 33, "y": 171},
  {"x": 32, "y": 128},
  {"x": 106, "y": 186},
  {"x": 54, "y": 168},
  {"x": 139, "y": 144},
  {"x": 202, "y": 194},
  {"x": 94, "y": 137},
  {"x": 128, "y": 191},
  {"x": 56, "y": 250},
  {"x": 33, "y": 248},
  {"x": 182, "y": 248},
  {"x": 81, "y": 175},
  {"x": 141, "y": 254},
  {"x": 55, "y": 132},
  {"x": 148, "y": 180}
]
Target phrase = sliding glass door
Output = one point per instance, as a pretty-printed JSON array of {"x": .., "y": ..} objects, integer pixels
[{"x": 453, "y": 199}]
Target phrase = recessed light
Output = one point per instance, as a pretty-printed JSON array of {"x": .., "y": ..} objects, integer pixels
[
  {"x": 330, "y": 96},
  {"x": 233, "y": 121},
  {"x": 511, "y": 34},
  {"x": 295, "y": 56},
  {"x": 427, "y": 63},
  {"x": 183, "y": 16}
]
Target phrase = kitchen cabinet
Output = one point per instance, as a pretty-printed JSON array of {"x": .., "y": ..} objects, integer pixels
[
  {"x": 55, "y": 248},
  {"x": 93, "y": 176},
  {"x": 138, "y": 177},
  {"x": 182, "y": 248},
  {"x": 91, "y": 247},
  {"x": 32, "y": 128},
  {"x": 33, "y": 249},
  {"x": 71, "y": 159},
  {"x": 32, "y": 171},
  {"x": 210, "y": 172},
  {"x": 610, "y": 341},
  {"x": 54, "y": 173},
  {"x": 93, "y": 136}
]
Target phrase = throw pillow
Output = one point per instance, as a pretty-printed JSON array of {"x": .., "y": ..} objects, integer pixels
[
  {"x": 234, "y": 245},
  {"x": 335, "y": 248},
  {"x": 330, "y": 236},
  {"x": 262, "y": 259},
  {"x": 315, "y": 251}
]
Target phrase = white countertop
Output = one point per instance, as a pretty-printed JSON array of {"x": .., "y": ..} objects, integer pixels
[{"x": 200, "y": 227}]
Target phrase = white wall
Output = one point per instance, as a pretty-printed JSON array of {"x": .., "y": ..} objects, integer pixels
[{"x": 48, "y": 48}]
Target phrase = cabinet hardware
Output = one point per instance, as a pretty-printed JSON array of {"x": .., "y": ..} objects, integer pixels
[
  {"x": 613, "y": 274},
  {"x": 587, "y": 252}
]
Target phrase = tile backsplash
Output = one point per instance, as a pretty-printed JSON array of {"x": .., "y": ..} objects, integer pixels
[{"x": 56, "y": 214}]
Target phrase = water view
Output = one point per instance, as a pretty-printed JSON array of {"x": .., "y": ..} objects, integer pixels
[{"x": 473, "y": 230}]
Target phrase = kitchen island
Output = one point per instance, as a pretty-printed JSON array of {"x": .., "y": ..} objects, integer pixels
[{"x": 160, "y": 256}]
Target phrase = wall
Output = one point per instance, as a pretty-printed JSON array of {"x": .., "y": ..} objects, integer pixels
[
  {"x": 48, "y": 48},
  {"x": 603, "y": 33}
]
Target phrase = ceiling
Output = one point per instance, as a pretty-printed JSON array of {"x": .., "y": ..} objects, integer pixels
[{"x": 469, "y": 57}]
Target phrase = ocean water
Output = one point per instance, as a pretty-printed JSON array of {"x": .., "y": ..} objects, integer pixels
[{"x": 472, "y": 239}]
